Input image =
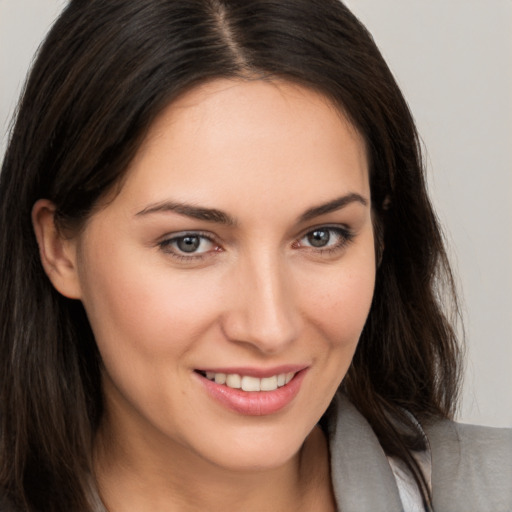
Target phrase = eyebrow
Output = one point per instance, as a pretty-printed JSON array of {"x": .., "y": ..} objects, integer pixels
[
  {"x": 188, "y": 210},
  {"x": 332, "y": 206},
  {"x": 220, "y": 217}
]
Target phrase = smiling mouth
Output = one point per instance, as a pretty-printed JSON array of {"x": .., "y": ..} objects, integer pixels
[{"x": 247, "y": 382}]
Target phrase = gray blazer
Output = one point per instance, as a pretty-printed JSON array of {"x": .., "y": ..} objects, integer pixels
[{"x": 471, "y": 466}]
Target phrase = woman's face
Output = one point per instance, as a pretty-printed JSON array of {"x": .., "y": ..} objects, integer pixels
[{"x": 240, "y": 248}]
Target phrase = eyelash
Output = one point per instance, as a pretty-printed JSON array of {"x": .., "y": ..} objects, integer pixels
[{"x": 345, "y": 235}]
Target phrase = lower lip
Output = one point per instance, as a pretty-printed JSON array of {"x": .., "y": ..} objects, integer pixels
[{"x": 254, "y": 403}]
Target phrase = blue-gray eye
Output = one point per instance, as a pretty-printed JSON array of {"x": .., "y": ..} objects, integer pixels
[
  {"x": 189, "y": 243},
  {"x": 319, "y": 237},
  {"x": 327, "y": 238}
]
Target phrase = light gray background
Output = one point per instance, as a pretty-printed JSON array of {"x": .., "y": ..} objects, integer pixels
[{"x": 453, "y": 60}]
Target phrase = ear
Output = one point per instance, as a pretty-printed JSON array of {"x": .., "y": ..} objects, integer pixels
[{"x": 58, "y": 253}]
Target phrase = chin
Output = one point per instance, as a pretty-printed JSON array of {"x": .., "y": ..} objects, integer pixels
[
  {"x": 259, "y": 460},
  {"x": 254, "y": 450}
]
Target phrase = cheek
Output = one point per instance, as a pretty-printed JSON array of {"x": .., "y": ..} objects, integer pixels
[
  {"x": 339, "y": 300},
  {"x": 146, "y": 320},
  {"x": 145, "y": 308}
]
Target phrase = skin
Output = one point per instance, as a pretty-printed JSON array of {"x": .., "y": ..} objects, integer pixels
[{"x": 257, "y": 293}]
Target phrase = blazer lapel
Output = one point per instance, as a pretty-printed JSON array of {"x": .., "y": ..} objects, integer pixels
[{"x": 361, "y": 476}]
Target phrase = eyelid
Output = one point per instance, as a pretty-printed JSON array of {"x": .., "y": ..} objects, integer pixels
[{"x": 340, "y": 228}]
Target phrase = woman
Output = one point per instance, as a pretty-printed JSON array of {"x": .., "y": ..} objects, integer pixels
[{"x": 222, "y": 276}]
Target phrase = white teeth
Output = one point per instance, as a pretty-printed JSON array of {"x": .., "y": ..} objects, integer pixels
[
  {"x": 247, "y": 383},
  {"x": 251, "y": 383},
  {"x": 234, "y": 381},
  {"x": 220, "y": 378},
  {"x": 269, "y": 383}
]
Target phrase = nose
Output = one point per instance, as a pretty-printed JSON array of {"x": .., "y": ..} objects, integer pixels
[{"x": 262, "y": 311}]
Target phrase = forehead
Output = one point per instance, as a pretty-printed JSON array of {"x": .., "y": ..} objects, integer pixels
[{"x": 253, "y": 137}]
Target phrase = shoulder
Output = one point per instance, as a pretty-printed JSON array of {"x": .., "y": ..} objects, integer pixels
[{"x": 471, "y": 467}]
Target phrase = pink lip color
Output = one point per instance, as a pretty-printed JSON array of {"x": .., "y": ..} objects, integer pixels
[{"x": 254, "y": 403}]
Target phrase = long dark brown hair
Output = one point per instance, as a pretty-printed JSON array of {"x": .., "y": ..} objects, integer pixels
[{"x": 105, "y": 71}]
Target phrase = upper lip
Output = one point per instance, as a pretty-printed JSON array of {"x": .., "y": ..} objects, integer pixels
[{"x": 252, "y": 371}]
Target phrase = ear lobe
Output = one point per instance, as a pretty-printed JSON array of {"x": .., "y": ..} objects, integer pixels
[{"x": 57, "y": 252}]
